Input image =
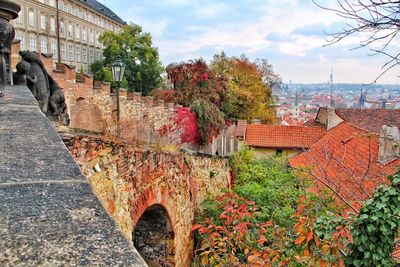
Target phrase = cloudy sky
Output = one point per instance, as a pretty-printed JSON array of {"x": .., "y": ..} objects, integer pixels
[{"x": 290, "y": 34}]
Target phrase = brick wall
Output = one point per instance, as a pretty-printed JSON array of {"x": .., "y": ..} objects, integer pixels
[
  {"x": 92, "y": 106},
  {"x": 129, "y": 179}
]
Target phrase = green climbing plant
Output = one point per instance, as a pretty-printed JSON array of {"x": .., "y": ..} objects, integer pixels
[{"x": 376, "y": 228}]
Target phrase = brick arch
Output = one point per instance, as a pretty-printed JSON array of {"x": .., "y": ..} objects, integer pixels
[
  {"x": 160, "y": 196},
  {"x": 154, "y": 236},
  {"x": 154, "y": 196}
]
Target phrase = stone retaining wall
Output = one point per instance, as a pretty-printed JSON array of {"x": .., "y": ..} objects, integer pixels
[{"x": 128, "y": 180}]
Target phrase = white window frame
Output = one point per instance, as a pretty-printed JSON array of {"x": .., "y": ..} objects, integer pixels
[
  {"x": 32, "y": 42},
  {"x": 31, "y": 17},
  {"x": 42, "y": 22}
]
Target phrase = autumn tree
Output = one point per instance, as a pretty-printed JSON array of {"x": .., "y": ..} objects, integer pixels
[
  {"x": 195, "y": 86},
  {"x": 375, "y": 21},
  {"x": 248, "y": 97},
  {"x": 143, "y": 67},
  {"x": 195, "y": 80}
]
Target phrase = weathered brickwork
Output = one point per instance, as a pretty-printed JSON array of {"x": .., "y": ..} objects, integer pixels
[
  {"x": 129, "y": 180},
  {"x": 92, "y": 106}
]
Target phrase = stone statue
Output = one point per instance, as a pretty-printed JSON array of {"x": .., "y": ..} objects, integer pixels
[
  {"x": 45, "y": 89},
  {"x": 57, "y": 100},
  {"x": 40, "y": 89},
  {"x": 21, "y": 78}
]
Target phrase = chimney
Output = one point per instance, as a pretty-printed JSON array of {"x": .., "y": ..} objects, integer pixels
[
  {"x": 333, "y": 119},
  {"x": 389, "y": 141}
]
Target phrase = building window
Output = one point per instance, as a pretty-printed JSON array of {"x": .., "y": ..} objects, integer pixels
[
  {"x": 91, "y": 56},
  {"x": 62, "y": 27},
  {"x": 91, "y": 36},
  {"x": 97, "y": 55},
  {"x": 31, "y": 17},
  {"x": 32, "y": 43},
  {"x": 43, "y": 45},
  {"x": 71, "y": 53},
  {"x": 21, "y": 36},
  {"x": 42, "y": 22},
  {"x": 20, "y": 18},
  {"x": 61, "y": 5},
  {"x": 97, "y": 38},
  {"x": 78, "y": 54},
  {"x": 70, "y": 30},
  {"x": 52, "y": 24},
  {"x": 53, "y": 48},
  {"x": 52, "y": 3},
  {"x": 62, "y": 51},
  {"x": 84, "y": 34},
  {"x": 84, "y": 55},
  {"x": 77, "y": 31}
]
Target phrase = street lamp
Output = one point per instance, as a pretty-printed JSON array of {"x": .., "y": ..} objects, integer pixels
[{"x": 118, "y": 69}]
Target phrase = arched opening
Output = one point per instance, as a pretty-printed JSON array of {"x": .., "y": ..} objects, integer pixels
[{"x": 153, "y": 237}]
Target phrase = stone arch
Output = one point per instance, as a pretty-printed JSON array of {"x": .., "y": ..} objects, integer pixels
[
  {"x": 153, "y": 236},
  {"x": 162, "y": 197}
]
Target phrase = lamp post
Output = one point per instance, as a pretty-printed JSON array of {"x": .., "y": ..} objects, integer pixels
[{"x": 118, "y": 69}]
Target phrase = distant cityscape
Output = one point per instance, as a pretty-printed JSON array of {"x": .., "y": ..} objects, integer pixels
[{"x": 298, "y": 103}]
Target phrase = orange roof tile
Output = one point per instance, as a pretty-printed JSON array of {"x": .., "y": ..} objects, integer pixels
[
  {"x": 273, "y": 136},
  {"x": 346, "y": 160},
  {"x": 370, "y": 119}
]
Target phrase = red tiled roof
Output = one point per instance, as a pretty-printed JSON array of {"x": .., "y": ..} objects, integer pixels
[
  {"x": 346, "y": 159},
  {"x": 273, "y": 136},
  {"x": 370, "y": 119},
  {"x": 240, "y": 128},
  {"x": 314, "y": 123}
]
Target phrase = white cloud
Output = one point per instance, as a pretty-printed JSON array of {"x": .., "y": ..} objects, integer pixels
[{"x": 212, "y": 10}]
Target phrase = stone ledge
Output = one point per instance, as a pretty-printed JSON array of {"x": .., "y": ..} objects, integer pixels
[{"x": 48, "y": 212}]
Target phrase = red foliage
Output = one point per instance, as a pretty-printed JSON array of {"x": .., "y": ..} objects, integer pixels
[
  {"x": 184, "y": 120},
  {"x": 224, "y": 243}
]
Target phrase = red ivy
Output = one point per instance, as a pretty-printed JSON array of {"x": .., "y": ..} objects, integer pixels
[{"x": 184, "y": 120}]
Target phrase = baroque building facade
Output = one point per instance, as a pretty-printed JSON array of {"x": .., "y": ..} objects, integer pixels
[{"x": 80, "y": 23}]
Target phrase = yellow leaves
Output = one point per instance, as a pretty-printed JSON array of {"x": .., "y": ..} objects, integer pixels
[
  {"x": 325, "y": 248},
  {"x": 204, "y": 260},
  {"x": 255, "y": 260}
]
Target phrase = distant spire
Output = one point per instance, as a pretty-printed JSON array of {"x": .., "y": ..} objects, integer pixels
[
  {"x": 296, "y": 99},
  {"x": 363, "y": 98},
  {"x": 332, "y": 104}
]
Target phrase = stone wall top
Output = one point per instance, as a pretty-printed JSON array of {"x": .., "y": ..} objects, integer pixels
[{"x": 48, "y": 212}]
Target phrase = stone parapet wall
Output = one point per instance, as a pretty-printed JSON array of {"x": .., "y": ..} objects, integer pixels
[
  {"x": 129, "y": 179},
  {"x": 49, "y": 215}
]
